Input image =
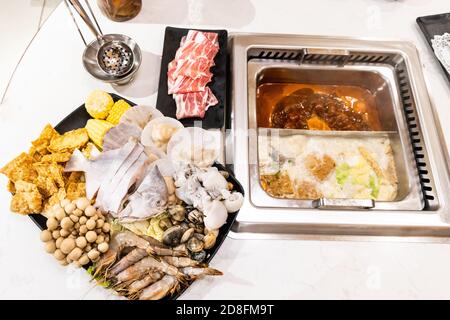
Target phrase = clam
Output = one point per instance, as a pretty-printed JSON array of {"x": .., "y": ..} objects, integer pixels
[
  {"x": 172, "y": 236},
  {"x": 187, "y": 235},
  {"x": 199, "y": 236},
  {"x": 194, "y": 245},
  {"x": 195, "y": 217},
  {"x": 199, "y": 256},
  {"x": 177, "y": 212},
  {"x": 225, "y": 174},
  {"x": 158, "y": 132},
  {"x": 210, "y": 239}
]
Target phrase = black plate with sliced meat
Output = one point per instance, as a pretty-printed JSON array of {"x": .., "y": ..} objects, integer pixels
[
  {"x": 214, "y": 117},
  {"x": 78, "y": 118}
]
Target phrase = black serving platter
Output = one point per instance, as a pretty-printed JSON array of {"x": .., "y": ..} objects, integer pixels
[
  {"x": 214, "y": 117},
  {"x": 433, "y": 25},
  {"x": 78, "y": 118}
]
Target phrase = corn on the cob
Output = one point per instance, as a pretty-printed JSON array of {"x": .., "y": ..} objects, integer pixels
[
  {"x": 117, "y": 111},
  {"x": 98, "y": 104},
  {"x": 97, "y": 129}
]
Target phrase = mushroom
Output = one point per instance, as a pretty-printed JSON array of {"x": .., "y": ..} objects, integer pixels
[{"x": 234, "y": 202}]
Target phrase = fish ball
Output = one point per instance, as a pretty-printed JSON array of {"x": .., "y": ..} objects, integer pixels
[
  {"x": 91, "y": 236},
  {"x": 50, "y": 246},
  {"x": 90, "y": 211},
  {"x": 82, "y": 203},
  {"x": 70, "y": 208},
  {"x": 103, "y": 247},
  {"x": 67, "y": 245},
  {"x": 52, "y": 224},
  {"x": 46, "y": 235},
  {"x": 90, "y": 224}
]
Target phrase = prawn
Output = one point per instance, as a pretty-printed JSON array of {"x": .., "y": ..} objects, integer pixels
[
  {"x": 196, "y": 273},
  {"x": 159, "y": 289},
  {"x": 181, "y": 262},
  {"x": 140, "y": 268}
]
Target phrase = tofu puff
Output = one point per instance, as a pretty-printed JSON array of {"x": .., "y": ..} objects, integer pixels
[{"x": 37, "y": 180}]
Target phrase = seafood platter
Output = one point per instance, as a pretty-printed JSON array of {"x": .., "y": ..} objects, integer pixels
[{"x": 134, "y": 196}]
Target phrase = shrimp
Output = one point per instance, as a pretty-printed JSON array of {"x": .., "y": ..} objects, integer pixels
[
  {"x": 117, "y": 244},
  {"x": 129, "y": 239},
  {"x": 139, "y": 269},
  {"x": 181, "y": 262},
  {"x": 159, "y": 289},
  {"x": 196, "y": 273},
  {"x": 131, "y": 258},
  {"x": 149, "y": 279}
]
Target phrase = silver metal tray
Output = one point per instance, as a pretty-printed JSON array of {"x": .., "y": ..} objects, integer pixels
[
  {"x": 380, "y": 81},
  {"x": 429, "y": 153}
]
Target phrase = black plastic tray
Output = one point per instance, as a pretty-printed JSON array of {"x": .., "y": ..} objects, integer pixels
[
  {"x": 433, "y": 25},
  {"x": 214, "y": 117},
  {"x": 78, "y": 118}
]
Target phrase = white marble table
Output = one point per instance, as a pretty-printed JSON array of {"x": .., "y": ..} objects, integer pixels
[{"x": 50, "y": 82}]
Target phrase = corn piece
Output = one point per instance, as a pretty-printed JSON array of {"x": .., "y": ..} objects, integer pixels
[
  {"x": 117, "y": 111},
  {"x": 97, "y": 129},
  {"x": 98, "y": 104}
]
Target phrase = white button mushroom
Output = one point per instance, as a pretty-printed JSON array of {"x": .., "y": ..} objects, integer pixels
[{"x": 234, "y": 202}]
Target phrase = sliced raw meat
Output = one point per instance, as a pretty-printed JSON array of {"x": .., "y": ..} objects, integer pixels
[
  {"x": 188, "y": 74},
  {"x": 186, "y": 84},
  {"x": 194, "y": 104}
]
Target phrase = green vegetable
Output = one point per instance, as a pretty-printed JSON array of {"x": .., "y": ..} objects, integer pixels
[
  {"x": 342, "y": 173},
  {"x": 374, "y": 185}
]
